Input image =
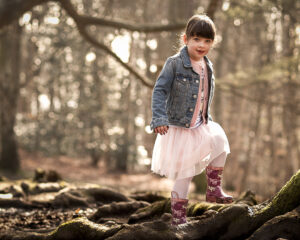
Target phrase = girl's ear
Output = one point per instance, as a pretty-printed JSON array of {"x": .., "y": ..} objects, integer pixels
[{"x": 185, "y": 39}]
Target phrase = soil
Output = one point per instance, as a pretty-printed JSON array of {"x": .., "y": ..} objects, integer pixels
[{"x": 79, "y": 170}]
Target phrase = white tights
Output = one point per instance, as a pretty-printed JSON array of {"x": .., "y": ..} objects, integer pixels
[{"x": 181, "y": 186}]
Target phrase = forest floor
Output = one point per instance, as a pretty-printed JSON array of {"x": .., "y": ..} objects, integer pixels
[
  {"x": 79, "y": 170},
  {"x": 34, "y": 207}
]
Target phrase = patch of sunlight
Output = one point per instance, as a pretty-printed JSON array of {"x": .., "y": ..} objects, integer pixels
[
  {"x": 218, "y": 38},
  {"x": 237, "y": 22},
  {"x": 148, "y": 129},
  {"x": 35, "y": 25},
  {"x": 70, "y": 21},
  {"x": 143, "y": 155},
  {"x": 226, "y": 5},
  {"x": 152, "y": 44},
  {"x": 141, "y": 63},
  {"x": 52, "y": 20},
  {"x": 44, "y": 102},
  {"x": 90, "y": 57},
  {"x": 298, "y": 34},
  {"x": 25, "y": 19},
  {"x": 37, "y": 61},
  {"x": 115, "y": 130},
  {"x": 142, "y": 151},
  {"x": 6, "y": 196},
  {"x": 69, "y": 58},
  {"x": 70, "y": 116},
  {"x": 117, "y": 95},
  {"x": 153, "y": 68},
  {"x": 56, "y": 103},
  {"x": 200, "y": 10},
  {"x": 135, "y": 35},
  {"x": 103, "y": 147},
  {"x": 113, "y": 146},
  {"x": 139, "y": 121},
  {"x": 144, "y": 161},
  {"x": 121, "y": 46},
  {"x": 110, "y": 37},
  {"x": 72, "y": 104}
]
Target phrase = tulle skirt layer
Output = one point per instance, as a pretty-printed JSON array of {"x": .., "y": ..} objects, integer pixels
[{"x": 184, "y": 152}]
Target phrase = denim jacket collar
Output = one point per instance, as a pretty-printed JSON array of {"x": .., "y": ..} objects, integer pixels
[{"x": 186, "y": 59}]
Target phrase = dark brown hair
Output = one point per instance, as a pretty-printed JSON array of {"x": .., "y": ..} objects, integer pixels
[{"x": 200, "y": 26}]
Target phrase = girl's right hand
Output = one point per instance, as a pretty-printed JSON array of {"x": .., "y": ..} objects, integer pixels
[{"x": 162, "y": 130}]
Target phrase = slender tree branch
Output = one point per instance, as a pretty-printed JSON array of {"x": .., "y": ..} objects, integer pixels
[
  {"x": 13, "y": 9},
  {"x": 130, "y": 26},
  {"x": 81, "y": 25},
  {"x": 145, "y": 81}
]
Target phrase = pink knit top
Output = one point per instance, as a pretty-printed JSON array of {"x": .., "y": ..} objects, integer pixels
[{"x": 196, "y": 117}]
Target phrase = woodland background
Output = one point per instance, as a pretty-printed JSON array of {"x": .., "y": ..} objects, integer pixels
[{"x": 76, "y": 80}]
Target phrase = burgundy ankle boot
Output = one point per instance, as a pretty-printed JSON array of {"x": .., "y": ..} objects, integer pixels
[
  {"x": 214, "y": 192},
  {"x": 178, "y": 208}
]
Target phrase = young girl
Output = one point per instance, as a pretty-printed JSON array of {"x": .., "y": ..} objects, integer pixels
[{"x": 189, "y": 140}]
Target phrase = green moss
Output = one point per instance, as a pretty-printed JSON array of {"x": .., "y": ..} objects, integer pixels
[
  {"x": 80, "y": 229},
  {"x": 157, "y": 208},
  {"x": 285, "y": 200},
  {"x": 198, "y": 209}
]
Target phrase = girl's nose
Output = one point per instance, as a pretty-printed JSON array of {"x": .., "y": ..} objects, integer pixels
[{"x": 201, "y": 43}]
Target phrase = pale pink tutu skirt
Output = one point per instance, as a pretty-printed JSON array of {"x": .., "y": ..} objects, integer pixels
[{"x": 184, "y": 152}]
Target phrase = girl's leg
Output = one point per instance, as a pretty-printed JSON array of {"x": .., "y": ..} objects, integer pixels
[
  {"x": 181, "y": 186},
  {"x": 214, "y": 170},
  {"x": 219, "y": 161},
  {"x": 179, "y": 202}
]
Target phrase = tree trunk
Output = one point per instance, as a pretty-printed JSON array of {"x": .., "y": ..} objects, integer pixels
[{"x": 10, "y": 69}]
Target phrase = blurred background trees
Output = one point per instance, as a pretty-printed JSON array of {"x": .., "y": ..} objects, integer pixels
[{"x": 63, "y": 93}]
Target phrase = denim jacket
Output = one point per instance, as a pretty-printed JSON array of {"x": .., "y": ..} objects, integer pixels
[{"x": 175, "y": 92}]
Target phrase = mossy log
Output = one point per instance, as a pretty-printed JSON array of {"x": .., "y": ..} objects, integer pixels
[
  {"x": 83, "y": 197},
  {"x": 235, "y": 221},
  {"x": 147, "y": 196},
  {"x": 158, "y": 208},
  {"x": 117, "y": 209},
  {"x": 83, "y": 229},
  {"x": 285, "y": 226},
  {"x": 278, "y": 217}
]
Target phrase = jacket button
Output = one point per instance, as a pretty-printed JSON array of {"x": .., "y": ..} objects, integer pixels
[
  {"x": 197, "y": 81},
  {"x": 184, "y": 79},
  {"x": 187, "y": 125},
  {"x": 194, "y": 96},
  {"x": 191, "y": 109}
]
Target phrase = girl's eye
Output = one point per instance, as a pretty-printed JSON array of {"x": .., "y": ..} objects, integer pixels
[{"x": 208, "y": 41}]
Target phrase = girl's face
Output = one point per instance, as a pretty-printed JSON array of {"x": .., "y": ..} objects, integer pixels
[{"x": 198, "y": 47}]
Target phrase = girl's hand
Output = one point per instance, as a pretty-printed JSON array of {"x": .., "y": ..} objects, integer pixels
[{"x": 162, "y": 130}]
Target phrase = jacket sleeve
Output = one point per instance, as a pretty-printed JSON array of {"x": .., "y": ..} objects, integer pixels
[{"x": 160, "y": 93}]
